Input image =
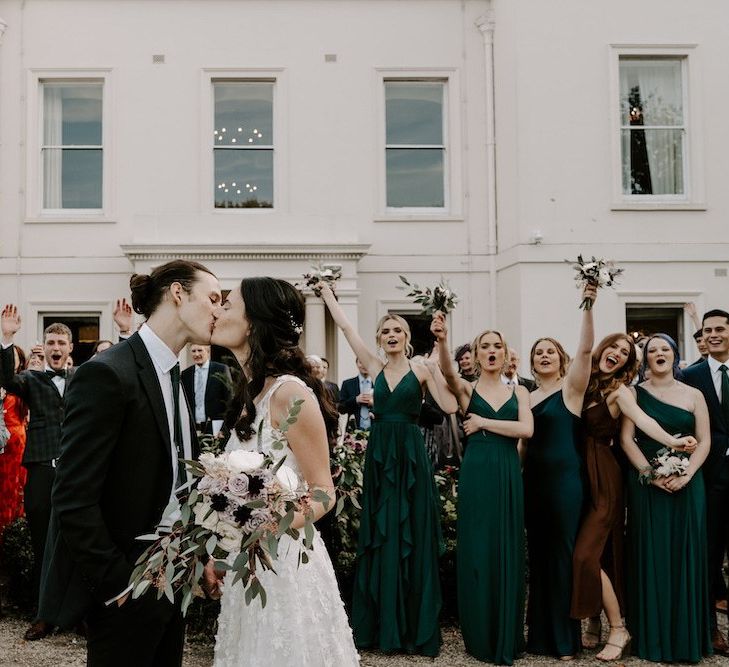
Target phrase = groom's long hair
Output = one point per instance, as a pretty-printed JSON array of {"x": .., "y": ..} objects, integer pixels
[{"x": 275, "y": 310}]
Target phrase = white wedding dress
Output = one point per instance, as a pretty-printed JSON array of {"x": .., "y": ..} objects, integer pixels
[{"x": 304, "y": 623}]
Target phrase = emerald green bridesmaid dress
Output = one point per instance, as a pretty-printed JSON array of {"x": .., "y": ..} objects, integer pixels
[
  {"x": 397, "y": 596},
  {"x": 490, "y": 552},
  {"x": 668, "y": 589},
  {"x": 554, "y": 495}
]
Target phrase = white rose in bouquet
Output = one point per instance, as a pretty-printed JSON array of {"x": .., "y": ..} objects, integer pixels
[
  {"x": 243, "y": 461},
  {"x": 204, "y": 517},
  {"x": 287, "y": 478},
  {"x": 230, "y": 536},
  {"x": 215, "y": 466}
]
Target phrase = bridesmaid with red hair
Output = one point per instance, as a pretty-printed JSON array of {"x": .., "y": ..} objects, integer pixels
[{"x": 12, "y": 473}]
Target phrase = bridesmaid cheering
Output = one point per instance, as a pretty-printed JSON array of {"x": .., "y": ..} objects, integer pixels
[
  {"x": 554, "y": 490},
  {"x": 490, "y": 529},
  {"x": 668, "y": 586},
  {"x": 397, "y": 597}
]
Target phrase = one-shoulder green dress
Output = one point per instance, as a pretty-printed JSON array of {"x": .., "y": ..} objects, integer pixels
[
  {"x": 490, "y": 553},
  {"x": 397, "y": 597},
  {"x": 554, "y": 496},
  {"x": 668, "y": 585}
]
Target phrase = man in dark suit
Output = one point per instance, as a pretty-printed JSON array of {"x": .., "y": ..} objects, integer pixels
[
  {"x": 355, "y": 398},
  {"x": 511, "y": 375},
  {"x": 208, "y": 385},
  {"x": 118, "y": 476},
  {"x": 712, "y": 379},
  {"x": 43, "y": 392}
]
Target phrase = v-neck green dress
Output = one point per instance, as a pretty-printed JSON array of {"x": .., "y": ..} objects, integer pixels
[
  {"x": 668, "y": 586},
  {"x": 397, "y": 598},
  {"x": 491, "y": 540}
]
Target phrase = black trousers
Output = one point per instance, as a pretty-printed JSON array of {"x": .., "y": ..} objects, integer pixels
[
  {"x": 37, "y": 502},
  {"x": 717, "y": 524},
  {"x": 145, "y": 632}
]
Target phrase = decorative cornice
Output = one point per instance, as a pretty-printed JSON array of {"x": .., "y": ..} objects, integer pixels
[
  {"x": 486, "y": 23},
  {"x": 307, "y": 251}
]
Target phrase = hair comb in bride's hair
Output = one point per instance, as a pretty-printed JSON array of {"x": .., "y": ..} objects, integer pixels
[{"x": 295, "y": 326}]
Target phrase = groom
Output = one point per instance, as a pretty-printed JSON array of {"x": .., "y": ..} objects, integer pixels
[{"x": 118, "y": 471}]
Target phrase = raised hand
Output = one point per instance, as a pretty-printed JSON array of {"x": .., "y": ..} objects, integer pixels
[
  {"x": 438, "y": 326},
  {"x": 9, "y": 321},
  {"x": 123, "y": 316}
]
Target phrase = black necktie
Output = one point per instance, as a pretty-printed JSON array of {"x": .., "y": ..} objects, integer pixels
[
  {"x": 181, "y": 471},
  {"x": 724, "y": 390},
  {"x": 51, "y": 373}
]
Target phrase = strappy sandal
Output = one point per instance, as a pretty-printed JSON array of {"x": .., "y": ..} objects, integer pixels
[
  {"x": 591, "y": 636},
  {"x": 624, "y": 648}
]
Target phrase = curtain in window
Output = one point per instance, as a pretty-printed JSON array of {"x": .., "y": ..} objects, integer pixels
[{"x": 52, "y": 157}]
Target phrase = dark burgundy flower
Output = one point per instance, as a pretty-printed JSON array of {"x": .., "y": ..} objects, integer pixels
[
  {"x": 219, "y": 502},
  {"x": 242, "y": 514},
  {"x": 255, "y": 485}
]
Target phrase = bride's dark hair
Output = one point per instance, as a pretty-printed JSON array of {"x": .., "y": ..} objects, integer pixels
[{"x": 275, "y": 311}]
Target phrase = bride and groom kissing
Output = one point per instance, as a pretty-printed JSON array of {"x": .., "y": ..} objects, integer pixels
[{"x": 127, "y": 424}]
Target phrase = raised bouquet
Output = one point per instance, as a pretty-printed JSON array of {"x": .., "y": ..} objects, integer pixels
[
  {"x": 321, "y": 273},
  {"x": 440, "y": 297},
  {"x": 596, "y": 272},
  {"x": 241, "y": 504}
]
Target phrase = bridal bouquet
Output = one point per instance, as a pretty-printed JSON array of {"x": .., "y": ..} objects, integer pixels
[
  {"x": 667, "y": 462},
  {"x": 321, "y": 274},
  {"x": 440, "y": 297},
  {"x": 597, "y": 272},
  {"x": 240, "y": 506}
]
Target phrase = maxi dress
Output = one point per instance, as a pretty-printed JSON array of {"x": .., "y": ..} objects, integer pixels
[
  {"x": 490, "y": 551},
  {"x": 668, "y": 581},
  {"x": 397, "y": 596},
  {"x": 12, "y": 472},
  {"x": 554, "y": 493},
  {"x": 600, "y": 543}
]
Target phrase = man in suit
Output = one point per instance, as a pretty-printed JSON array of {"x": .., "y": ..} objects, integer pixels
[
  {"x": 511, "y": 375},
  {"x": 43, "y": 392},
  {"x": 712, "y": 379},
  {"x": 127, "y": 423},
  {"x": 355, "y": 398},
  {"x": 208, "y": 385}
]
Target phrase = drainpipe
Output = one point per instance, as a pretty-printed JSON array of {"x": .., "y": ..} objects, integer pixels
[{"x": 486, "y": 24}]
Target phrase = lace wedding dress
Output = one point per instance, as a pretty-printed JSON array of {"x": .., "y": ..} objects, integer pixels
[{"x": 303, "y": 623}]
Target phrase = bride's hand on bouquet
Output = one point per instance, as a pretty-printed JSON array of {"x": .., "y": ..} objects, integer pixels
[
  {"x": 438, "y": 326},
  {"x": 661, "y": 483},
  {"x": 677, "y": 482},
  {"x": 211, "y": 580},
  {"x": 322, "y": 289},
  {"x": 473, "y": 424}
]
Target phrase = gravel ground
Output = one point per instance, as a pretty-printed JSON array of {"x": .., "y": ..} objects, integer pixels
[{"x": 68, "y": 650}]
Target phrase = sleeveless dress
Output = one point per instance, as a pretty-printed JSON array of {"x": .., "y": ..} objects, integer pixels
[
  {"x": 12, "y": 473},
  {"x": 668, "y": 581},
  {"x": 397, "y": 600},
  {"x": 554, "y": 493},
  {"x": 600, "y": 541},
  {"x": 490, "y": 551},
  {"x": 304, "y": 621}
]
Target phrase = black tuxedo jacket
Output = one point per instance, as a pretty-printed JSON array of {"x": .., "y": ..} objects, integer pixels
[
  {"x": 699, "y": 376},
  {"x": 44, "y": 402},
  {"x": 526, "y": 382},
  {"x": 217, "y": 389},
  {"x": 113, "y": 481},
  {"x": 347, "y": 404}
]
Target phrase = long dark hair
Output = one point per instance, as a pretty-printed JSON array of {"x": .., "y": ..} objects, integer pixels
[
  {"x": 603, "y": 384},
  {"x": 275, "y": 310}
]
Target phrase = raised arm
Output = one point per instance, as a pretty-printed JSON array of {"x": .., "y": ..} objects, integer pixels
[
  {"x": 630, "y": 408},
  {"x": 578, "y": 375},
  {"x": 433, "y": 377},
  {"x": 456, "y": 384},
  {"x": 690, "y": 309},
  {"x": 360, "y": 349},
  {"x": 10, "y": 381},
  {"x": 522, "y": 427}
]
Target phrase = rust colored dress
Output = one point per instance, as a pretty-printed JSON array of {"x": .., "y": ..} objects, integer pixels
[
  {"x": 12, "y": 473},
  {"x": 600, "y": 538}
]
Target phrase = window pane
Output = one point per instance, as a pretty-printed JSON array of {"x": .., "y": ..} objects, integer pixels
[
  {"x": 72, "y": 114},
  {"x": 72, "y": 178},
  {"x": 651, "y": 91},
  {"x": 414, "y": 112},
  {"x": 415, "y": 177},
  {"x": 243, "y": 114},
  {"x": 652, "y": 162},
  {"x": 243, "y": 179}
]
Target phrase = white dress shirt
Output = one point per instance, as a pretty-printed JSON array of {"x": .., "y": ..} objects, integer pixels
[
  {"x": 57, "y": 380},
  {"x": 200, "y": 382},
  {"x": 365, "y": 387},
  {"x": 716, "y": 377}
]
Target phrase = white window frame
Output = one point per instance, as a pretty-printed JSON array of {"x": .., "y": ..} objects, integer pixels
[
  {"x": 34, "y": 210},
  {"x": 207, "y": 159},
  {"x": 453, "y": 155},
  {"x": 693, "y": 172}
]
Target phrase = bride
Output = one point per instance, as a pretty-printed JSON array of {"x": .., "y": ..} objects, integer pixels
[{"x": 304, "y": 621}]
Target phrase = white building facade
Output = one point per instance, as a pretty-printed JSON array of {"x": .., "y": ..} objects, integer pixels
[{"x": 481, "y": 141}]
